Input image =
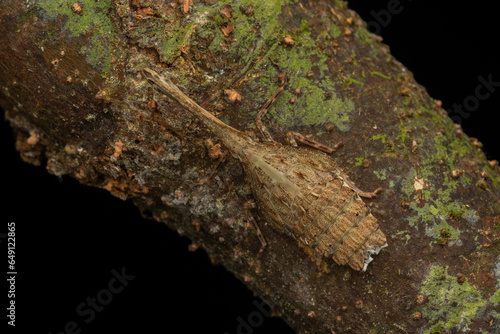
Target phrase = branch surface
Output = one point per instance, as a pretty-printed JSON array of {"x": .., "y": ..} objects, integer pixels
[{"x": 79, "y": 105}]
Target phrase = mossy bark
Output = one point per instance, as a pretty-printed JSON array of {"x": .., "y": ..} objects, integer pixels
[{"x": 73, "y": 93}]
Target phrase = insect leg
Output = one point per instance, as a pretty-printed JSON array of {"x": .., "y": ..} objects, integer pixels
[
  {"x": 266, "y": 107},
  {"x": 360, "y": 192},
  {"x": 221, "y": 160},
  {"x": 294, "y": 137},
  {"x": 247, "y": 206}
]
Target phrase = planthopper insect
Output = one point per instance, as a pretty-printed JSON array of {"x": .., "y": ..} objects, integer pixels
[{"x": 298, "y": 191}]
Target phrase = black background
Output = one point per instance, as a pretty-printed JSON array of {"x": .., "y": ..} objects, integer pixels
[{"x": 69, "y": 237}]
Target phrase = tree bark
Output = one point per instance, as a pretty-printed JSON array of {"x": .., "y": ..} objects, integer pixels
[{"x": 77, "y": 102}]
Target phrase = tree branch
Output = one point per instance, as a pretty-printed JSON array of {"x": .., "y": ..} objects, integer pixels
[{"x": 79, "y": 104}]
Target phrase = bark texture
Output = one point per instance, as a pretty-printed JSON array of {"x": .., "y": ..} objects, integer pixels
[{"x": 71, "y": 87}]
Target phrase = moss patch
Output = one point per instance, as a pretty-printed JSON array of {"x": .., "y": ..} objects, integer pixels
[
  {"x": 257, "y": 46},
  {"x": 495, "y": 299},
  {"x": 254, "y": 46},
  {"x": 318, "y": 102},
  {"x": 92, "y": 20},
  {"x": 450, "y": 304},
  {"x": 312, "y": 107},
  {"x": 380, "y": 174},
  {"x": 171, "y": 34},
  {"x": 444, "y": 233},
  {"x": 432, "y": 203}
]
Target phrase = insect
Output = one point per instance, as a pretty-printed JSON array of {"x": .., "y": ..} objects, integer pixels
[{"x": 299, "y": 191}]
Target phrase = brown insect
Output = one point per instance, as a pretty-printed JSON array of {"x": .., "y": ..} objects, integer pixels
[{"x": 299, "y": 191}]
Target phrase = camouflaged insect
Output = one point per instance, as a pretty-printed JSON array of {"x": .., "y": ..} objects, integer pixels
[{"x": 299, "y": 191}]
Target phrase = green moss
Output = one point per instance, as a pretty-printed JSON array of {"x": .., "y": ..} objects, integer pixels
[
  {"x": 318, "y": 102},
  {"x": 255, "y": 46},
  {"x": 437, "y": 209},
  {"x": 330, "y": 29},
  {"x": 443, "y": 233},
  {"x": 261, "y": 34},
  {"x": 381, "y": 137},
  {"x": 93, "y": 20},
  {"x": 366, "y": 37},
  {"x": 455, "y": 210},
  {"x": 424, "y": 214},
  {"x": 491, "y": 174},
  {"x": 436, "y": 329},
  {"x": 495, "y": 299},
  {"x": 171, "y": 34},
  {"x": 93, "y": 15},
  {"x": 351, "y": 81},
  {"x": 403, "y": 235},
  {"x": 311, "y": 108},
  {"x": 264, "y": 18},
  {"x": 359, "y": 161},
  {"x": 68, "y": 149},
  {"x": 442, "y": 152},
  {"x": 380, "y": 75},
  {"x": 450, "y": 304},
  {"x": 380, "y": 174},
  {"x": 448, "y": 146},
  {"x": 441, "y": 157},
  {"x": 389, "y": 144},
  {"x": 304, "y": 26},
  {"x": 340, "y": 4},
  {"x": 403, "y": 133},
  {"x": 407, "y": 185},
  {"x": 178, "y": 36}
]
